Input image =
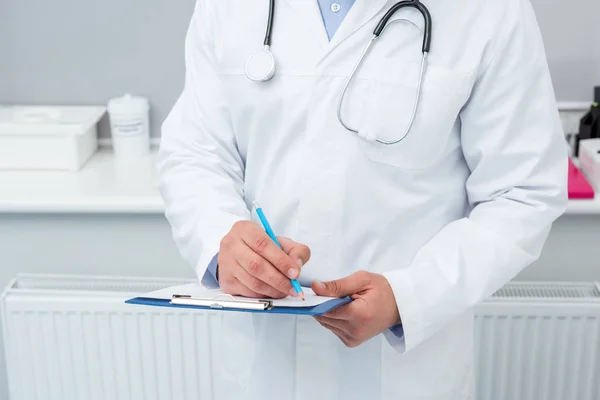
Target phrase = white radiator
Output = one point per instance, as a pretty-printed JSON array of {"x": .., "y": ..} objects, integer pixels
[
  {"x": 69, "y": 337},
  {"x": 539, "y": 341}
]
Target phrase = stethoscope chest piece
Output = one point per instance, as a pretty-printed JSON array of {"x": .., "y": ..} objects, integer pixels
[{"x": 260, "y": 66}]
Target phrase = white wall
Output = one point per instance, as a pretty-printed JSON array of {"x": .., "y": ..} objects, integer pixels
[
  {"x": 85, "y": 52},
  {"x": 570, "y": 253},
  {"x": 65, "y": 51},
  {"x": 570, "y": 30}
]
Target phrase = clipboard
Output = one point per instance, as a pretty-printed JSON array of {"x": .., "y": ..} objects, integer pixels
[
  {"x": 180, "y": 297},
  {"x": 222, "y": 301}
]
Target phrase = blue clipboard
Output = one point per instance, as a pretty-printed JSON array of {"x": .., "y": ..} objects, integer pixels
[{"x": 218, "y": 305}]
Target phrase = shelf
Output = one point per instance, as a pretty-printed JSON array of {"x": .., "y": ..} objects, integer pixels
[
  {"x": 105, "y": 186},
  {"x": 583, "y": 207},
  {"x": 101, "y": 186}
]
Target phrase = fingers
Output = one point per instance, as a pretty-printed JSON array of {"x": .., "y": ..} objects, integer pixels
[
  {"x": 236, "y": 288},
  {"x": 262, "y": 271},
  {"x": 338, "y": 323},
  {"x": 346, "y": 312},
  {"x": 340, "y": 333},
  {"x": 249, "y": 257},
  {"x": 350, "y": 323},
  {"x": 295, "y": 251},
  {"x": 347, "y": 286},
  {"x": 256, "y": 285},
  {"x": 229, "y": 283},
  {"x": 260, "y": 243}
]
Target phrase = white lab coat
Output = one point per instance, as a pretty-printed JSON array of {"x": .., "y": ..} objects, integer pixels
[{"x": 449, "y": 215}]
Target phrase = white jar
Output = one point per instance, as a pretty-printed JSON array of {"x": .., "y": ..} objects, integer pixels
[{"x": 129, "y": 125}]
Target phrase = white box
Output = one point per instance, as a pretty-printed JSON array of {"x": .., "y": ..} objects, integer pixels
[
  {"x": 48, "y": 137},
  {"x": 589, "y": 160}
]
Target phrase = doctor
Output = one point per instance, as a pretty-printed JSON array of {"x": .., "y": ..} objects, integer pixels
[{"x": 417, "y": 232}]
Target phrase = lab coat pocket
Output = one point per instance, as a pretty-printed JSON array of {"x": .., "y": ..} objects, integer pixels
[
  {"x": 237, "y": 349},
  {"x": 390, "y": 112}
]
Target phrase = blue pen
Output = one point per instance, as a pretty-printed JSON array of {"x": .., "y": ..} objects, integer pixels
[{"x": 271, "y": 234}]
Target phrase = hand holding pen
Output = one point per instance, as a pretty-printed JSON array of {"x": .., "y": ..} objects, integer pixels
[
  {"x": 269, "y": 230},
  {"x": 251, "y": 263}
]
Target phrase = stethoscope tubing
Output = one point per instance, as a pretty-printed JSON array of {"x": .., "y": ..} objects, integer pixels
[
  {"x": 350, "y": 78},
  {"x": 377, "y": 32},
  {"x": 412, "y": 4},
  {"x": 270, "y": 19}
]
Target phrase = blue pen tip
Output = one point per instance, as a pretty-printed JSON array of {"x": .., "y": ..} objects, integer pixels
[{"x": 255, "y": 204}]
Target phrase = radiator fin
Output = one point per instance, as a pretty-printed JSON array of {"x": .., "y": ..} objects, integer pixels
[
  {"x": 110, "y": 355},
  {"x": 549, "y": 291},
  {"x": 64, "y": 344},
  {"x": 522, "y": 357}
]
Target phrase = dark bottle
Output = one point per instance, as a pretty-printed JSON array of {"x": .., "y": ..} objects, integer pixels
[{"x": 589, "y": 126}]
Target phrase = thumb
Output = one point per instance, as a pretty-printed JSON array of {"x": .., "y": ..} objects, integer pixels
[
  {"x": 347, "y": 286},
  {"x": 296, "y": 251}
]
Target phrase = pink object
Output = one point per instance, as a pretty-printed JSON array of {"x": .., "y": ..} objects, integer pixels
[{"x": 579, "y": 187}]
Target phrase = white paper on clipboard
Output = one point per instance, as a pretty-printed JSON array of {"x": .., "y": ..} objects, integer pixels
[{"x": 198, "y": 291}]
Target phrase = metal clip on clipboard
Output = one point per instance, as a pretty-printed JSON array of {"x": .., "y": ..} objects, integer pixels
[{"x": 228, "y": 302}]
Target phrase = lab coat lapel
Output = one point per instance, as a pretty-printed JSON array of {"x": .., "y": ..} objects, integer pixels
[
  {"x": 311, "y": 15},
  {"x": 361, "y": 13}
]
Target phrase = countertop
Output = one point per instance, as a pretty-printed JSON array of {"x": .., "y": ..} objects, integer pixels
[
  {"x": 104, "y": 185},
  {"x": 101, "y": 186}
]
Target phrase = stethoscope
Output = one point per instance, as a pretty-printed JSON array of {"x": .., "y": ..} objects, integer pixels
[{"x": 260, "y": 66}]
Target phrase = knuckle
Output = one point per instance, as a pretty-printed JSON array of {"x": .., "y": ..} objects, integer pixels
[
  {"x": 363, "y": 277},
  {"x": 275, "y": 294},
  {"x": 282, "y": 284},
  {"x": 225, "y": 242},
  {"x": 302, "y": 252},
  {"x": 240, "y": 224},
  {"x": 358, "y": 332},
  {"x": 282, "y": 263},
  {"x": 335, "y": 287},
  {"x": 237, "y": 226},
  {"x": 368, "y": 316},
  {"x": 362, "y": 315},
  {"x": 225, "y": 277},
  {"x": 254, "y": 267},
  {"x": 227, "y": 285},
  {"x": 241, "y": 228},
  {"x": 256, "y": 285},
  {"x": 285, "y": 242},
  {"x": 307, "y": 252},
  {"x": 261, "y": 243}
]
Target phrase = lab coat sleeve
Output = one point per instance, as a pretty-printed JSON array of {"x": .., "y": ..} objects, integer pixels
[
  {"x": 200, "y": 171},
  {"x": 514, "y": 146}
]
